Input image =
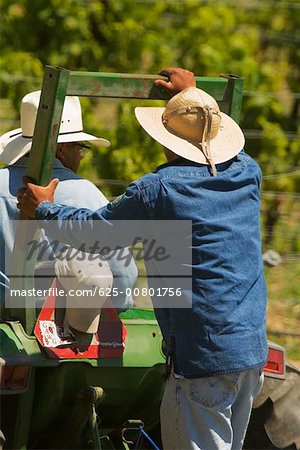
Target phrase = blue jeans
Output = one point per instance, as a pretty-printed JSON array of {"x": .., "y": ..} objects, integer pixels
[{"x": 210, "y": 413}]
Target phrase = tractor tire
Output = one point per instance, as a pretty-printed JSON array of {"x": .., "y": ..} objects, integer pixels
[{"x": 275, "y": 418}]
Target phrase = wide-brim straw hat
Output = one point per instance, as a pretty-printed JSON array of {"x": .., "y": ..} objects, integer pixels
[
  {"x": 16, "y": 143},
  {"x": 193, "y": 127}
]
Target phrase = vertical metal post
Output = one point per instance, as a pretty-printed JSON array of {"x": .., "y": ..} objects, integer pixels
[
  {"x": 233, "y": 96},
  {"x": 39, "y": 169},
  {"x": 47, "y": 124}
]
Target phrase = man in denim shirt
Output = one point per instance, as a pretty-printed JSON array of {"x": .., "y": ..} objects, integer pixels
[
  {"x": 216, "y": 348},
  {"x": 73, "y": 190}
]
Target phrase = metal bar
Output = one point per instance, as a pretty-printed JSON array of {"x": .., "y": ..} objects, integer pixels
[
  {"x": 119, "y": 85},
  {"x": 93, "y": 428},
  {"x": 39, "y": 169},
  {"x": 47, "y": 124}
]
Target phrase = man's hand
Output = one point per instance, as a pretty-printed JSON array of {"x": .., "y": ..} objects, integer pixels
[
  {"x": 32, "y": 195},
  {"x": 179, "y": 79}
]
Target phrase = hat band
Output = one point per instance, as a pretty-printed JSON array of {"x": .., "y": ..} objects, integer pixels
[
  {"x": 59, "y": 134},
  {"x": 206, "y": 136},
  {"x": 15, "y": 134},
  {"x": 190, "y": 110},
  {"x": 206, "y": 144}
]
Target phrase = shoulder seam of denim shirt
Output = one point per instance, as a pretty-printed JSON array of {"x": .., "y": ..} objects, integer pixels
[{"x": 180, "y": 172}]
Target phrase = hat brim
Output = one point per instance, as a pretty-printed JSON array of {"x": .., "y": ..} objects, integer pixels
[
  {"x": 13, "y": 145},
  {"x": 228, "y": 143},
  {"x": 82, "y": 136}
]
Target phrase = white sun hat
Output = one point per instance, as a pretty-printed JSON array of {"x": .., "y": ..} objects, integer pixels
[
  {"x": 87, "y": 281},
  {"x": 192, "y": 126},
  {"x": 16, "y": 143}
]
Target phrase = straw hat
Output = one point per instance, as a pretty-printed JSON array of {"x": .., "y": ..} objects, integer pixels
[
  {"x": 192, "y": 126},
  {"x": 16, "y": 143},
  {"x": 87, "y": 281}
]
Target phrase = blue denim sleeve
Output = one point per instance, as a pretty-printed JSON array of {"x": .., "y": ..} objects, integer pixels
[
  {"x": 82, "y": 228},
  {"x": 77, "y": 192}
]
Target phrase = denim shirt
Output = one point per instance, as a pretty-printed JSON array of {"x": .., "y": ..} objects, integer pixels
[
  {"x": 72, "y": 190},
  {"x": 224, "y": 330}
]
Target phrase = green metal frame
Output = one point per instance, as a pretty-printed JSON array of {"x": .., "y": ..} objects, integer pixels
[{"x": 58, "y": 83}]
